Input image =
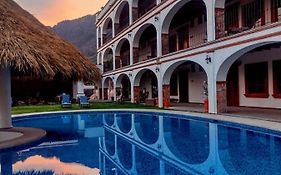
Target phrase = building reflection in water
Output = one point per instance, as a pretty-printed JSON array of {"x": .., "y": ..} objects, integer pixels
[
  {"x": 171, "y": 145},
  {"x": 140, "y": 143},
  {"x": 65, "y": 150}
]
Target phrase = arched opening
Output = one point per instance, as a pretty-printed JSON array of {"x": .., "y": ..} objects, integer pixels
[
  {"x": 122, "y": 17},
  {"x": 250, "y": 78},
  {"x": 125, "y": 153},
  {"x": 122, "y": 54},
  {"x": 236, "y": 16},
  {"x": 149, "y": 163},
  {"x": 141, "y": 7},
  {"x": 108, "y": 60},
  {"x": 184, "y": 86},
  {"x": 124, "y": 121},
  {"x": 147, "y": 128},
  {"x": 107, "y": 30},
  {"x": 181, "y": 134},
  {"x": 109, "y": 139},
  {"x": 145, "y": 43},
  {"x": 123, "y": 88},
  {"x": 108, "y": 89},
  {"x": 146, "y": 88},
  {"x": 181, "y": 33}
]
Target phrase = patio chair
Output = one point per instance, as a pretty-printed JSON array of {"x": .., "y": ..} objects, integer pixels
[
  {"x": 83, "y": 101},
  {"x": 65, "y": 101}
]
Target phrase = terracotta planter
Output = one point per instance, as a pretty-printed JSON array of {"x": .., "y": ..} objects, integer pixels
[{"x": 206, "y": 105}]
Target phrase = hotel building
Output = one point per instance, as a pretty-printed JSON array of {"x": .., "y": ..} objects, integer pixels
[{"x": 185, "y": 51}]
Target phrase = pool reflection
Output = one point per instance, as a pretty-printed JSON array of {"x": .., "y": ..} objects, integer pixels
[
  {"x": 143, "y": 144},
  {"x": 147, "y": 128},
  {"x": 124, "y": 122},
  {"x": 187, "y": 140},
  {"x": 185, "y": 146},
  {"x": 249, "y": 152},
  {"x": 60, "y": 152}
]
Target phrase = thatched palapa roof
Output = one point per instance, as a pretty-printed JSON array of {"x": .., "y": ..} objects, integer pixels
[{"x": 28, "y": 47}]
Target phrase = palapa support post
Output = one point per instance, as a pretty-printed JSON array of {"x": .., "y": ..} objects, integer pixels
[{"x": 5, "y": 98}]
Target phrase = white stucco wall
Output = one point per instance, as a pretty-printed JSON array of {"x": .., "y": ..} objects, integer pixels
[
  {"x": 261, "y": 56},
  {"x": 195, "y": 84}
]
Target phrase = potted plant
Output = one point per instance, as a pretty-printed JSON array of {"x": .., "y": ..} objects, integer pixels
[{"x": 206, "y": 101}]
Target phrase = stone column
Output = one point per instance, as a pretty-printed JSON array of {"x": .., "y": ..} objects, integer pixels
[
  {"x": 221, "y": 97},
  {"x": 220, "y": 24},
  {"x": 78, "y": 89},
  {"x": 135, "y": 54},
  {"x": 132, "y": 91},
  {"x": 160, "y": 91},
  {"x": 159, "y": 39},
  {"x": 130, "y": 12},
  {"x": 5, "y": 98},
  {"x": 166, "y": 96},
  {"x": 165, "y": 43},
  {"x": 131, "y": 51},
  {"x": 113, "y": 57},
  {"x": 210, "y": 22},
  {"x": 136, "y": 94}
]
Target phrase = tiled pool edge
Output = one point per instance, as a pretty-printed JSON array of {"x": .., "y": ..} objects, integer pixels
[{"x": 275, "y": 126}]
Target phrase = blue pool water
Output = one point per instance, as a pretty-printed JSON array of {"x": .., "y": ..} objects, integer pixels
[{"x": 143, "y": 143}]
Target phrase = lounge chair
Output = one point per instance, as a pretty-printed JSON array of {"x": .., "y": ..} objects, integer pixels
[
  {"x": 83, "y": 101},
  {"x": 65, "y": 101}
]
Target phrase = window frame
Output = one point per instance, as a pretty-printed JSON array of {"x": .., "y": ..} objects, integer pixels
[
  {"x": 264, "y": 94},
  {"x": 275, "y": 71}
]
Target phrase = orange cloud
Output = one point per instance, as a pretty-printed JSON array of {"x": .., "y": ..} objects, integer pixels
[
  {"x": 55, "y": 11},
  {"x": 40, "y": 164}
]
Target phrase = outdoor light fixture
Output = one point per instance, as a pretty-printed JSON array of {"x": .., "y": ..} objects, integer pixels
[
  {"x": 208, "y": 59},
  {"x": 112, "y": 78},
  {"x": 129, "y": 34},
  {"x": 156, "y": 18},
  {"x": 130, "y": 74},
  {"x": 157, "y": 69}
]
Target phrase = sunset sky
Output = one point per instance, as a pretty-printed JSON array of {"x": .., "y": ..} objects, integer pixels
[{"x": 50, "y": 12}]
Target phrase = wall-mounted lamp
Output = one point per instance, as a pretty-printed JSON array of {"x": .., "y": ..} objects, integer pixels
[
  {"x": 156, "y": 18},
  {"x": 130, "y": 75},
  {"x": 208, "y": 59},
  {"x": 157, "y": 69}
]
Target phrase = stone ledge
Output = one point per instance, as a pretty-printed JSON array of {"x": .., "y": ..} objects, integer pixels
[{"x": 17, "y": 137}]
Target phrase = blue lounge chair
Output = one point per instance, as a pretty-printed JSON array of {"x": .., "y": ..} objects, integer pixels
[
  {"x": 65, "y": 101},
  {"x": 83, "y": 100}
]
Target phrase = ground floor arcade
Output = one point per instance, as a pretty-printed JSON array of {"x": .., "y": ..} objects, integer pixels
[{"x": 248, "y": 78}]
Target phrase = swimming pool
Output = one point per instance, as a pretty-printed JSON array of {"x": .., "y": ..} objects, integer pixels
[{"x": 143, "y": 143}]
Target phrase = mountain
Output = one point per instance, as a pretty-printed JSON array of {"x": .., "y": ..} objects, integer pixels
[{"x": 80, "y": 32}]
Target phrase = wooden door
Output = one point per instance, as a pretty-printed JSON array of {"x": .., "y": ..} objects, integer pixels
[
  {"x": 183, "y": 86},
  {"x": 233, "y": 85}
]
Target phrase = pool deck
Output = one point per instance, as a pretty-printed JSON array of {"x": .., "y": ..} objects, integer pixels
[{"x": 247, "y": 116}]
